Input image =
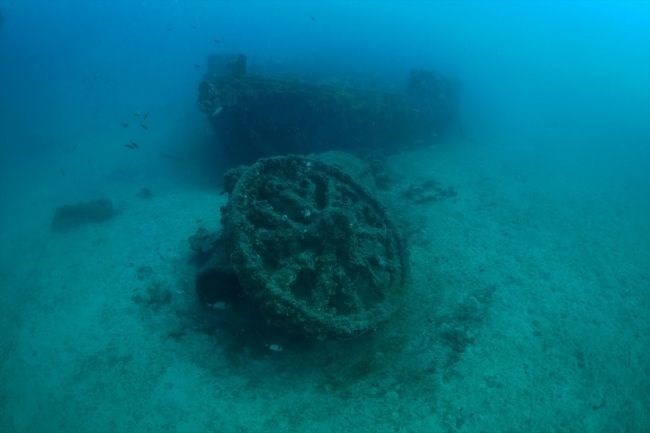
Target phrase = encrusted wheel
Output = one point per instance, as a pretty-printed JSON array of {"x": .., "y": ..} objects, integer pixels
[{"x": 313, "y": 247}]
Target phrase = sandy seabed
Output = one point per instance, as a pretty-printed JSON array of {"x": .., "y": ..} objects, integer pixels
[{"x": 529, "y": 311}]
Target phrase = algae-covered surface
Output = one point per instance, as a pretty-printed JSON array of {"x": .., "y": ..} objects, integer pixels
[{"x": 313, "y": 248}]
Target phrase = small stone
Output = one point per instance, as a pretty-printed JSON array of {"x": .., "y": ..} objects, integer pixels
[{"x": 392, "y": 395}]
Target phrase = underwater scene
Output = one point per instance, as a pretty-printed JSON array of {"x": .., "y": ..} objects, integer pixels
[{"x": 333, "y": 216}]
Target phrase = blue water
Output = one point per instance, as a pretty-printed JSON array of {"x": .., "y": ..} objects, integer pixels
[{"x": 529, "y": 305}]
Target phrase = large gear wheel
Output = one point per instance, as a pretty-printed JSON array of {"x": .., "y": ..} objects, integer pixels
[{"x": 313, "y": 248}]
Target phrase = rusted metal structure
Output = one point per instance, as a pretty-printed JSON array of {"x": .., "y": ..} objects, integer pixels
[{"x": 257, "y": 116}]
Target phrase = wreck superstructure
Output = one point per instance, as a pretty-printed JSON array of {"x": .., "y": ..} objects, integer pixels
[{"x": 256, "y": 116}]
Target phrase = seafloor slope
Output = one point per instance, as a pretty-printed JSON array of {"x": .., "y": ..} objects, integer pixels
[{"x": 529, "y": 311}]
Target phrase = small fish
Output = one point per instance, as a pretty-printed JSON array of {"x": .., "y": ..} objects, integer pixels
[
  {"x": 197, "y": 66},
  {"x": 69, "y": 149},
  {"x": 136, "y": 114},
  {"x": 132, "y": 145},
  {"x": 220, "y": 305},
  {"x": 145, "y": 116},
  {"x": 313, "y": 18},
  {"x": 62, "y": 171},
  {"x": 193, "y": 26},
  {"x": 144, "y": 193},
  {"x": 144, "y": 126},
  {"x": 172, "y": 157},
  {"x": 124, "y": 125},
  {"x": 217, "y": 40}
]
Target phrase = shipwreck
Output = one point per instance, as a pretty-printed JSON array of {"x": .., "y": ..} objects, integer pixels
[{"x": 257, "y": 116}]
